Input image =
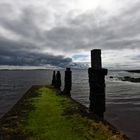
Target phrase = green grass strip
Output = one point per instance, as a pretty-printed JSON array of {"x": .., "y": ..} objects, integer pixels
[{"x": 50, "y": 120}]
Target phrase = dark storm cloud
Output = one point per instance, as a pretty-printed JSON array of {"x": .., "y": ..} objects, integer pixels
[{"x": 16, "y": 56}]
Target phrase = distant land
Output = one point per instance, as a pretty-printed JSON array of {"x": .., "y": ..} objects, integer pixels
[
  {"x": 45, "y": 67},
  {"x": 135, "y": 71}
]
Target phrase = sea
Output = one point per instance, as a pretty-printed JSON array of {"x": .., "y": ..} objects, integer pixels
[{"x": 122, "y": 97}]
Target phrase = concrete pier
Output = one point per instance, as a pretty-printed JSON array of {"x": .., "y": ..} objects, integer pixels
[{"x": 42, "y": 114}]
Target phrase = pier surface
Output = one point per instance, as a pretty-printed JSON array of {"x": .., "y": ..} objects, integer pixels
[{"x": 44, "y": 114}]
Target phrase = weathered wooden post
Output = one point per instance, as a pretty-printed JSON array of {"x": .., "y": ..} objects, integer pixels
[
  {"x": 58, "y": 80},
  {"x": 97, "y": 84},
  {"x": 68, "y": 82},
  {"x": 53, "y": 79}
]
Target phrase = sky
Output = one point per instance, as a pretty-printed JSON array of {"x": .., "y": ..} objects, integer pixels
[{"x": 61, "y": 33}]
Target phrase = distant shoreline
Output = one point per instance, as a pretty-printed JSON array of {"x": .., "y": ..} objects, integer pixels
[
  {"x": 22, "y": 69},
  {"x": 132, "y": 71},
  {"x": 135, "y": 71}
]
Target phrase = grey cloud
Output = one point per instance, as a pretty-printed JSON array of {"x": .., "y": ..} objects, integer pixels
[
  {"x": 82, "y": 32},
  {"x": 77, "y": 33},
  {"x": 24, "y": 26},
  {"x": 87, "y": 31},
  {"x": 102, "y": 36}
]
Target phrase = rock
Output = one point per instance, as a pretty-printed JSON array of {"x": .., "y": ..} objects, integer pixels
[
  {"x": 111, "y": 77},
  {"x": 131, "y": 79}
]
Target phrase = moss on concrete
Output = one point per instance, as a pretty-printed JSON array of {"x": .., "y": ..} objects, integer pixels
[{"x": 50, "y": 116}]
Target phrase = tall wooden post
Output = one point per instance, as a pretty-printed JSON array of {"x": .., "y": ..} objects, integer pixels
[
  {"x": 68, "y": 82},
  {"x": 58, "y": 80},
  {"x": 53, "y": 79},
  {"x": 97, "y": 84}
]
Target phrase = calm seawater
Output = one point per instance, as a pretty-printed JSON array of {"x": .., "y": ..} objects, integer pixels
[{"x": 122, "y": 98}]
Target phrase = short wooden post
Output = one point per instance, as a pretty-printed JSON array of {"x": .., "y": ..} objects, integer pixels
[
  {"x": 97, "y": 84},
  {"x": 58, "y": 80},
  {"x": 68, "y": 82},
  {"x": 53, "y": 79}
]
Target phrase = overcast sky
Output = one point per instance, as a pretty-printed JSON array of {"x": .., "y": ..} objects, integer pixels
[{"x": 61, "y": 32}]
